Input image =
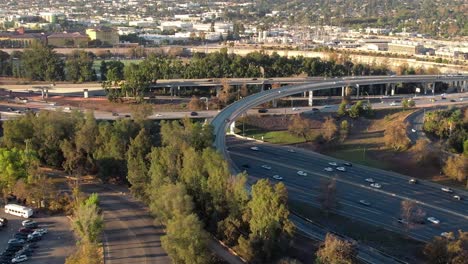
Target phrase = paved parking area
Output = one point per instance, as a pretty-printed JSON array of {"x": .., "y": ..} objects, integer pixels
[{"x": 54, "y": 247}]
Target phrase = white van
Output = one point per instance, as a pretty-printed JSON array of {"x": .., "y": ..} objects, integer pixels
[{"x": 18, "y": 210}]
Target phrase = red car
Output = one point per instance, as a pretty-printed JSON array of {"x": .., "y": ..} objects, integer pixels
[{"x": 25, "y": 230}]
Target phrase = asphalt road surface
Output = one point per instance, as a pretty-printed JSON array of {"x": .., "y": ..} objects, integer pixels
[
  {"x": 385, "y": 203},
  {"x": 130, "y": 234}
]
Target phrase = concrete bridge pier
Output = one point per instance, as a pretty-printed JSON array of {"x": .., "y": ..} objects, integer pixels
[
  {"x": 311, "y": 98},
  {"x": 232, "y": 127},
  {"x": 274, "y": 103},
  {"x": 343, "y": 91},
  {"x": 357, "y": 91},
  {"x": 218, "y": 90}
]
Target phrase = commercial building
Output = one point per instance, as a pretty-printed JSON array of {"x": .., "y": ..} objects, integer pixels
[
  {"x": 65, "y": 39},
  {"x": 405, "y": 47},
  {"x": 107, "y": 36}
]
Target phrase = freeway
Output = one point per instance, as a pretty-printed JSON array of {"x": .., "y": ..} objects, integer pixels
[{"x": 384, "y": 209}]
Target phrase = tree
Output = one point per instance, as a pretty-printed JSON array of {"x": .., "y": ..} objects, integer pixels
[
  {"x": 329, "y": 129},
  {"x": 12, "y": 168},
  {"x": 336, "y": 251},
  {"x": 225, "y": 95},
  {"x": 185, "y": 241},
  {"x": 448, "y": 249},
  {"x": 137, "y": 81},
  {"x": 169, "y": 201},
  {"x": 356, "y": 110},
  {"x": 140, "y": 112},
  {"x": 269, "y": 223},
  {"x": 408, "y": 103},
  {"x": 395, "y": 136},
  {"x": 411, "y": 213},
  {"x": 79, "y": 67},
  {"x": 344, "y": 129},
  {"x": 300, "y": 126},
  {"x": 88, "y": 253},
  {"x": 137, "y": 165},
  {"x": 422, "y": 151},
  {"x": 195, "y": 104},
  {"x": 327, "y": 197},
  {"x": 456, "y": 167},
  {"x": 88, "y": 222},
  {"x": 341, "y": 109},
  {"x": 42, "y": 63}
]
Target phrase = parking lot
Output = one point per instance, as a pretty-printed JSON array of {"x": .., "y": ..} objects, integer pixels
[{"x": 54, "y": 246}]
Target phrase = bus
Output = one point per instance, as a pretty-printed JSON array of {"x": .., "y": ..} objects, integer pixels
[{"x": 18, "y": 210}]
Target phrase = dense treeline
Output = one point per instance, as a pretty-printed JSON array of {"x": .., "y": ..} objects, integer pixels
[
  {"x": 188, "y": 186},
  {"x": 44, "y": 64},
  {"x": 170, "y": 166}
]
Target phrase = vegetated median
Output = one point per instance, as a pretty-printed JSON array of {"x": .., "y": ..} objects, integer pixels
[{"x": 387, "y": 241}]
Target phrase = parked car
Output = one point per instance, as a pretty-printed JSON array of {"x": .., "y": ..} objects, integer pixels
[{"x": 19, "y": 259}]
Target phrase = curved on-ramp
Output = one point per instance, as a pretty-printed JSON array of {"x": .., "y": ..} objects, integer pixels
[{"x": 222, "y": 121}]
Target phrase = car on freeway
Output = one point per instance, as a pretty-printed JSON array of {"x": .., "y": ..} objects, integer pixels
[
  {"x": 315, "y": 109},
  {"x": 329, "y": 169},
  {"x": 341, "y": 169},
  {"x": 452, "y": 100},
  {"x": 446, "y": 189},
  {"x": 115, "y": 114},
  {"x": 277, "y": 177},
  {"x": 376, "y": 185},
  {"x": 370, "y": 180},
  {"x": 15, "y": 241},
  {"x": 262, "y": 111},
  {"x": 291, "y": 150},
  {"x": 364, "y": 202},
  {"x": 295, "y": 109},
  {"x": 254, "y": 148},
  {"x": 457, "y": 197},
  {"x": 266, "y": 167},
  {"x": 332, "y": 163},
  {"x": 19, "y": 259},
  {"x": 413, "y": 130},
  {"x": 349, "y": 164},
  {"x": 433, "y": 220},
  {"x": 447, "y": 235},
  {"x": 443, "y": 97},
  {"x": 302, "y": 173},
  {"x": 158, "y": 115},
  {"x": 402, "y": 221},
  {"x": 193, "y": 113},
  {"x": 412, "y": 181},
  {"x": 326, "y": 106},
  {"x": 393, "y": 104}
]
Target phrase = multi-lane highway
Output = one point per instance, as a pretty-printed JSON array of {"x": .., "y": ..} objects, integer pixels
[{"x": 385, "y": 203}]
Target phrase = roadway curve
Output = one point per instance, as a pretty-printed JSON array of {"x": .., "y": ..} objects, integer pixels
[{"x": 429, "y": 197}]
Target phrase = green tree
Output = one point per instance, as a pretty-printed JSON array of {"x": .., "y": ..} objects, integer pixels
[
  {"x": 169, "y": 201},
  {"x": 42, "y": 63},
  {"x": 12, "y": 168},
  {"x": 185, "y": 241},
  {"x": 341, "y": 109},
  {"x": 356, "y": 110},
  {"x": 88, "y": 222},
  {"x": 137, "y": 81},
  {"x": 79, "y": 67},
  {"x": 344, "y": 129},
  {"x": 269, "y": 224},
  {"x": 137, "y": 164}
]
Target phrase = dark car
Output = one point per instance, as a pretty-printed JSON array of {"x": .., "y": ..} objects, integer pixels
[
  {"x": 263, "y": 110},
  {"x": 25, "y": 230},
  {"x": 348, "y": 164},
  {"x": 31, "y": 225},
  {"x": 452, "y": 100},
  {"x": 193, "y": 113}
]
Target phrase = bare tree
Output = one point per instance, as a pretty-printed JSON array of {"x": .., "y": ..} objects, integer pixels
[
  {"x": 327, "y": 197},
  {"x": 195, "y": 104},
  {"x": 411, "y": 213},
  {"x": 300, "y": 126},
  {"x": 329, "y": 129},
  {"x": 395, "y": 136}
]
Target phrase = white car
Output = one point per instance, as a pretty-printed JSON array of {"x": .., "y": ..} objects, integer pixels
[
  {"x": 157, "y": 115},
  {"x": 277, "y": 177},
  {"x": 295, "y": 109},
  {"x": 446, "y": 189},
  {"x": 370, "y": 180},
  {"x": 447, "y": 235},
  {"x": 376, "y": 185},
  {"x": 26, "y": 222},
  {"x": 393, "y": 104},
  {"x": 457, "y": 197},
  {"x": 413, "y": 130},
  {"x": 19, "y": 259},
  {"x": 291, "y": 150},
  {"x": 302, "y": 173},
  {"x": 266, "y": 167},
  {"x": 364, "y": 202},
  {"x": 433, "y": 220},
  {"x": 254, "y": 148},
  {"x": 341, "y": 168},
  {"x": 333, "y": 163},
  {"x": 328, "y": 169}
]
